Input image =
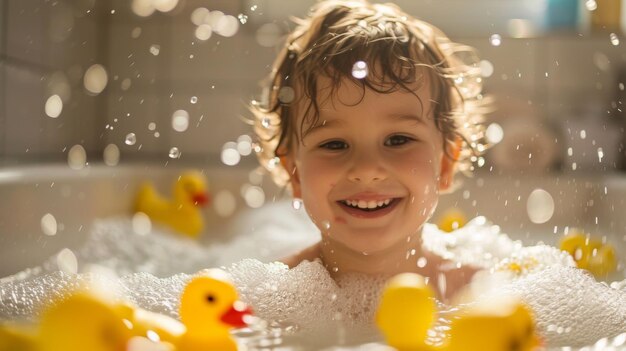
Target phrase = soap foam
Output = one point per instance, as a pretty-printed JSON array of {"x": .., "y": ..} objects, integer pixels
[{"x": 570, "y": 307}]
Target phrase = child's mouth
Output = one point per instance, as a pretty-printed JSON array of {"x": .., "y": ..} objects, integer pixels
[{"x": 368, "y": 209}]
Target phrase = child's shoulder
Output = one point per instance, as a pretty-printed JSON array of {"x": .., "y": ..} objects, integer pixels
[{"x": 309, "y": 254}]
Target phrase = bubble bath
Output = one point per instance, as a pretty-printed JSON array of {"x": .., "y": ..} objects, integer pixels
[
  {"x": 303, "y": 303},
  {"x": 91, "y": 238}
]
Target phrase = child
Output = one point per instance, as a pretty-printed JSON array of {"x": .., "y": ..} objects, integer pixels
[{"x": 368, "y": 115}]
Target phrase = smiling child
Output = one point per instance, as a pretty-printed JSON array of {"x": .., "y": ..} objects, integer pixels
[{"x": 368, "y": 115}]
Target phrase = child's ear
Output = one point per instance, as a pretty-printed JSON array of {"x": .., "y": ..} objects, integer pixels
[
  {"x": 289, "y": 164},
  {"x": 448, "y": 163}
]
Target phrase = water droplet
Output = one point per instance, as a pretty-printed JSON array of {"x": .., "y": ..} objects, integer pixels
[
  {"x": 155, "y": 49},
  {"x": 244, "y": 145},
  {"x": 180, "y": 120},
  {"x": 600, "y": 154},
  {"x": 151, "y": 126},
  {"x": 142, "y": 225},
  {"x": 621, "y": 86},
  {"x": 165, "y": 5},
  {"x": 49, "y": 224},
  {"x": 286, "y": 95},
  {"x": 326, "y": 225},
  {"x": 336, "y": 269},
  {"x": 95, "y": 79},
  {"x": 583, "y": 134},
  {"x": 253, "y": 8},
  {"x": 174, "y": 152},
  {"x": 268, "y": 35},
  {"x": 77, "y": 157},
  {"x": 540, "y": 206},
  {"x": 421, "y": 262},
  {"x": 486, "y": 68},
  {"x": 359, "y": 70},
  {"x": 230, "y": 155},
  {"x": 131, "y": 139},
  {"x": 254, "y": 196},
  {"x": 194, "y": 99},
  {"x": 111, "y": 155},
  {"x": 570, "y": 151},
  {"x": 494, "y": 133},
  {"x": 614, "y": 39},
  {"x": 67, "y": 262},
  {"x": 296, "y": 204},
  {"x": 143, "y": 8},
  {"x": 441, "y": 284},
  {"x": 495, "y": 39},
  {"x": 273, "y": 163},
  {"x": 198, "y": 15},
  {"x": 54, "y": 106},
  {"x": 135, "y": 33},
  {"x": 242, "y": 18},
  {"x": 591, "y": 5},
  {"x": 225, "y": 203},
  {"x": 266, "y": 122},
  {"x": 125, "y": 85},
  {"x": 226, "y": 26},
  {"x": 203, "y": 32}
]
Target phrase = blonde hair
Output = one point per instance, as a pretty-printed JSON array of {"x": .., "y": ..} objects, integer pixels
[{"x": 337, "y": 34}]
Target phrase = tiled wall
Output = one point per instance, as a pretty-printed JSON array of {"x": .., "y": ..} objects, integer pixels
[
  {"x": 46, "y": 47},
  {"x": 550, "y": 87}
]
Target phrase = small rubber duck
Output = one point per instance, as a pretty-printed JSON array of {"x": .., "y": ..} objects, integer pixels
[
  {"x": 181, "y": 213},
  {"x": 590, "y": 254},
  {"x": 209, "y": 308},
  {"x": 451, "y": 220},
  {"x": 496, "y": 325},
  {"x": 407, "y": 310}
]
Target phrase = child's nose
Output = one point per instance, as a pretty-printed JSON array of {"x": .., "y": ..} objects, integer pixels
[{"x": 366, "y": 168}]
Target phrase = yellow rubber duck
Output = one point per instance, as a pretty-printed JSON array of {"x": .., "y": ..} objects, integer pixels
[
  {"x": 407, "y": 310},
  {"x": 17, "y": 338},
  {"x": 590, "y": 254},
  {"x": 451, "y": 220},
  {"x": 77, "y": 323},
  {"x": 209, "y": 308},
  {"x": 502, "y": 325},
  {"x": 181, "y": 213}
]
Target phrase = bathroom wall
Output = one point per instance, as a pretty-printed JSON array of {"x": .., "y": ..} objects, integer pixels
[{"x": 550, "y": 84}]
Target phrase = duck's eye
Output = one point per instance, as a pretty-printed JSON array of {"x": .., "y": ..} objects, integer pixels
[{"x": 210, "y": 298}]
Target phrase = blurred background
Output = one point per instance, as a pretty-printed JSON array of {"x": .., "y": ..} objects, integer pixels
[{"x": 169, "y": 80}]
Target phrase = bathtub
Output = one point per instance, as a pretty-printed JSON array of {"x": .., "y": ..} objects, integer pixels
[{"x": 594, "y": 203}]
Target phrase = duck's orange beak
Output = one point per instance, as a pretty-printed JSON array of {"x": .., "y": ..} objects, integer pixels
[
  {"x": 201, "y": 199},
  {"x": 236, "y": 314}
]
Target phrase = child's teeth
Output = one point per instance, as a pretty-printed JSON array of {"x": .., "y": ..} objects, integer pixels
[
  {"x": 372, "y": 204},
  {"x": 362, "y": 204},
  {"x": 380, "y": 203},
  {"x": 386, "y": 202}
]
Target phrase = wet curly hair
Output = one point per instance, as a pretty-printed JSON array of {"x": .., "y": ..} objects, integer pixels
[{"x": 400, "y": 52}]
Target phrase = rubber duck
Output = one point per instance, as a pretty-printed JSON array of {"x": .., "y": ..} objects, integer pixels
[
  {"x": 181, "y": 213},
  {"x": 209, "y": 308},
  {"x": 17, "y": 338},
  {"x": 451, "y": 220},
  {"x": 590, "y": 254},
  {"x": 495, "y": 325},
  {"x": 407, "y": 310}
]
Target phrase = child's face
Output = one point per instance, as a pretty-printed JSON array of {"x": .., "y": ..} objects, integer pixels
[{"x": 383, "y": 149}]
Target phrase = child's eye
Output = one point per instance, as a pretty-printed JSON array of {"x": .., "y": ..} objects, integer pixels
[
  {"x": 396, "y": 140},
  {"x": 334, "y": 145}
]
